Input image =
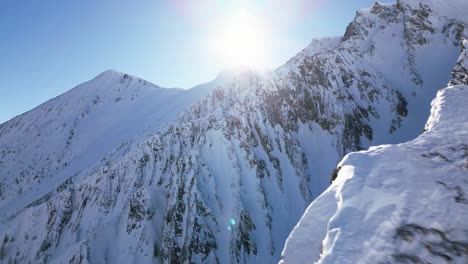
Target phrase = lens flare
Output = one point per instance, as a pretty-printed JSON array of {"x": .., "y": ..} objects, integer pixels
[
  {"x": 232, "y": 223},
  {"x": 244, "y": 33},
  {"x": 241, "y": 41}
]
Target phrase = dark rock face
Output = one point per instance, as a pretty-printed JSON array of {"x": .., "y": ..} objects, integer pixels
[{"x": 460, "y": 72}]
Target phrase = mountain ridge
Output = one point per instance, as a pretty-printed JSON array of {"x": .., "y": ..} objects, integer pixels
[
  {"x": 376, "y": 210},
  {"x": 257, "y": 150}
]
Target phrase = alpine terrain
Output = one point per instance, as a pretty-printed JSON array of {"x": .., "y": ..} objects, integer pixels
[
  {"x": 404, "y": 203},
  {"x": 119, "y": 170}
]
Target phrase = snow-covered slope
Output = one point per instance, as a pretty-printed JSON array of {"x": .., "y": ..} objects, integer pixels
[
  {"x": 404, "y": 203},
  {"x": 227, "y": 180},
  {"x": 45, "y": 146}
]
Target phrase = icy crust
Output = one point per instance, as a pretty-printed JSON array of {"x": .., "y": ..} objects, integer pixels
[{"x": 395, "y": 203}]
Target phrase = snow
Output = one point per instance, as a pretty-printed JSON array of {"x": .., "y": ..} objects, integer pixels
[
  {"x": 156, "y": 174},
  {"x": 444, "y": 8},
  {"x": 316, "y": 46},
  {"x": 386, "y": 187},
  {"x": 70, "y": 133}
]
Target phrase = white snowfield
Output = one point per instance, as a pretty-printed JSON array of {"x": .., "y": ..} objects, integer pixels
[
  {"x": 94, "y": 176},
  {"x": 404, "y": 203}
]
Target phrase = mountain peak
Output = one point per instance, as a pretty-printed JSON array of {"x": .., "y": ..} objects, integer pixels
[
  {"x": 111, "y": 74},
  {"x": 115, "y": 76},
  {"x": 239, "y": 73}
]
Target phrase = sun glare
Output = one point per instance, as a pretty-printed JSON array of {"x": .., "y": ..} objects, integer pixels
[{"x": 241, "y": 41}]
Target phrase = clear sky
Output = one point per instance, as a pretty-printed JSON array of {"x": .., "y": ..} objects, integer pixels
[{"x": 49, "y": 46}]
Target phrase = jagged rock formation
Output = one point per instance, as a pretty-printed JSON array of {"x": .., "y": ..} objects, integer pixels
[
  {"x": 404, "y": 203},
  {"x": 460, "y": 72},
  {"x": 227, "y": 180}
]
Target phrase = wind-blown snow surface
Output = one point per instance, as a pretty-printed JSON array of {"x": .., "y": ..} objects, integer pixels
[
  {"x": 257, "y": 149},
  {"x": 404, "y": 203}
]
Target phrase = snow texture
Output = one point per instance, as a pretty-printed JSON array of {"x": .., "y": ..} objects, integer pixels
[
  {"x": 118, "y": 170},
  {"x": 404, "y": 203}
]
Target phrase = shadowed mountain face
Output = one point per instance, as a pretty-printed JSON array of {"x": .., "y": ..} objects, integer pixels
[
  {"x": 108, "y": 172},
  {"x": 404, "y": 203}
]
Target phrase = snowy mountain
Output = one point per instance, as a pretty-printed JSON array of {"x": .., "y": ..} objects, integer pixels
[
  {"x": 404, "y": 203},
  {"x": 45, "y": 146},
  {"x": 226, "y": 180}
]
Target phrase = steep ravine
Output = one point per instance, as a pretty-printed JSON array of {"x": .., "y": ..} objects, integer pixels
[{"x": 404, "y": 203}]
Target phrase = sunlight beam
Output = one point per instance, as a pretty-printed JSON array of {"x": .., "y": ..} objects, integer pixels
[{"x": 241, "y": 41}]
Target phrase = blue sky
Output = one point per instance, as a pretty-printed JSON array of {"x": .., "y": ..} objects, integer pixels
[{"x": 49, "y": 46}]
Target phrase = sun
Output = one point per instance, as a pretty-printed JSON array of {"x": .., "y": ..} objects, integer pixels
[{"x": 241, "y": 41}]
